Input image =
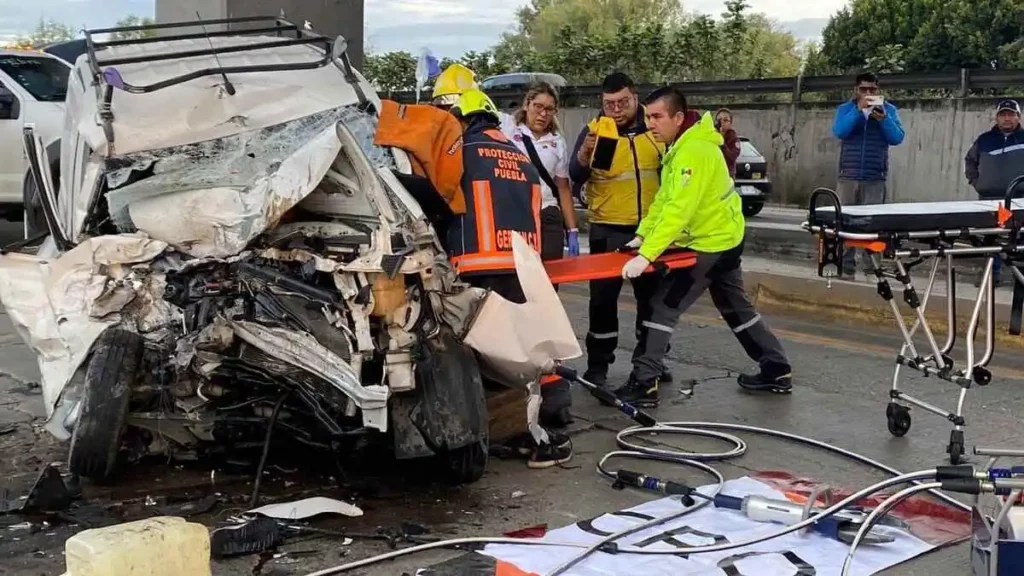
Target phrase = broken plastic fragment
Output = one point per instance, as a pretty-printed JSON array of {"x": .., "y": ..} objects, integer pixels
[
  {"x": 537, "y": 531},
  {"x": 308, "y": 508}
]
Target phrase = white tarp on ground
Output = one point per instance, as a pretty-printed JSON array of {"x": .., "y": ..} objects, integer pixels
[{"x": 803, "y": 555}]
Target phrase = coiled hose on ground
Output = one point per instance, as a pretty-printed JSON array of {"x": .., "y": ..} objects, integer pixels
[{"x": 698, "y": 461}]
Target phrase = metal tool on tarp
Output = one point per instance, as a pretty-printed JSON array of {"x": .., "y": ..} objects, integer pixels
[{"x": 842, "y": 526}]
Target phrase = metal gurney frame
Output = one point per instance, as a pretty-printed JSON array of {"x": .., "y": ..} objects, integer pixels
[{"x": 912, "y": 248}]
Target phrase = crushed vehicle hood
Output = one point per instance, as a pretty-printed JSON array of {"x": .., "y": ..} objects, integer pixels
[{"x": 212, "y": 198}]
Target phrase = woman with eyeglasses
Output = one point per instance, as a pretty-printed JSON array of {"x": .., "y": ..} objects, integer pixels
[{"x": 534, "y": 130}]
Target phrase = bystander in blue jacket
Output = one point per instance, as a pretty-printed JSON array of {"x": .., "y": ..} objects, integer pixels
[{"x": 867, "y": 126}]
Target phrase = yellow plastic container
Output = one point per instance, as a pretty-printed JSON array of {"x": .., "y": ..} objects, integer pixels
[{"x": 162, "y": 546}]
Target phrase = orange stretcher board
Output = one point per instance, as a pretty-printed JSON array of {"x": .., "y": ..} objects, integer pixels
[{"x": 609, "y": 265}]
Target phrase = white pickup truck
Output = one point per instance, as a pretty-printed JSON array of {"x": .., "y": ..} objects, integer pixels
[{"x": 33, "y": 85}]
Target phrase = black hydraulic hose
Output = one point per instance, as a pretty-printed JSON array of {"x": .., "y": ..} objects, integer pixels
[{"x": 266, "y": 450}]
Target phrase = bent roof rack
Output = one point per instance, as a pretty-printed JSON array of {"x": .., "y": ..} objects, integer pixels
[
  {"x": 108, "y": 79},
  {"x": 279, "y": 26}
]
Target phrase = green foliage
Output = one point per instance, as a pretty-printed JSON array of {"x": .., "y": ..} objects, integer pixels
[
  {"x": 47, "y": 32},
  {"x": 924, "y": 35},
  {"x": 391, "y": 71},
  {"x": 133, "y": 20},
  {"x": 651, "y": 40}
]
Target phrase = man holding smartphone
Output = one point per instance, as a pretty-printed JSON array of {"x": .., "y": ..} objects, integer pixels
[{"x": 867, "y": 126}]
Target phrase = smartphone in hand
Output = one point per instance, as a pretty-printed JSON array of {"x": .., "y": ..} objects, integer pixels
[{"x": 875, "y": 101}]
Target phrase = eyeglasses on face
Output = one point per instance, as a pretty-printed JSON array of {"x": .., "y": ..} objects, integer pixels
[
  {"x": 615, "y": 105},
  {"x": 543, "y": 108}
]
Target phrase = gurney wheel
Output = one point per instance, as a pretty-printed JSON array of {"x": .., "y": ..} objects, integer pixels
[
  {"x": 982, "y": 376},
  {"x": 956, "y": 451},
  {"x": 898, "y": 418}
]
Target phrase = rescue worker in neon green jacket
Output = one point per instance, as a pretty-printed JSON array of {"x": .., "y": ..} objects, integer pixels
[{"x": 696, "y": 208}]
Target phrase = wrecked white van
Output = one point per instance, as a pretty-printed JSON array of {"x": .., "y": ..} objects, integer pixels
[{"x": 229, "y": 250}]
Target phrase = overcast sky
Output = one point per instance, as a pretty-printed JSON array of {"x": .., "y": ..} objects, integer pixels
[{"x": 447, "y": 27}]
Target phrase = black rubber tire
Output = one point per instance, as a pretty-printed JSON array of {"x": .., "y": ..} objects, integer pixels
[
  {"x": 751, "y": 209},
  {"x": 466, "y": 465},
  {"x": 956, "y": 447},
  {"x": 956, "y": 452},
  {"x": 982, "y": 376},
  {"x": 898, "y": 420},
  {"x": 110, "y": 374}
]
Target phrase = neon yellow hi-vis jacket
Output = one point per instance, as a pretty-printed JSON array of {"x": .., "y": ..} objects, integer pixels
[{"x": 697, "y": 206}]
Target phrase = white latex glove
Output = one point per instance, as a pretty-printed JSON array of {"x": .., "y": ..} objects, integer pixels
[
  {"x": 635, "y": 267},
  {"x": 635, "y": 242}
]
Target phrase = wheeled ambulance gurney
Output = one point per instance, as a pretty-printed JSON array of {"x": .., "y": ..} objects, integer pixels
[{"x": 908, "y": 235}]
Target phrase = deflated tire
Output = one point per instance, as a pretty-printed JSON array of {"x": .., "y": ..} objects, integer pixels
[{"x": 110, "y": 374}]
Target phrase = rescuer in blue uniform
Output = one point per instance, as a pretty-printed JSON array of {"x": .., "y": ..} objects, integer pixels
[{"x": 503, "y": 196}]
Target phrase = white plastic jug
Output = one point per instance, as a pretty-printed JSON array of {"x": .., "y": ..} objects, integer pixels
[{"x": 162, "y": 546}]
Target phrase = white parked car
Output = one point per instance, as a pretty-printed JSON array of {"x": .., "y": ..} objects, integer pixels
[
  {"x": 33, "y": 86},
  {"x": 230, "y": 251}
]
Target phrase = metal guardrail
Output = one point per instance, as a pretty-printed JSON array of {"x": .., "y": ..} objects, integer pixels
[{"x": 961, "y": 81}]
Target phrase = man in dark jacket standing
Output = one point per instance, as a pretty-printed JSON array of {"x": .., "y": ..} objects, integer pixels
[
  {"x": 997, "y": 157},
  {"x": 867, "y": 126}
]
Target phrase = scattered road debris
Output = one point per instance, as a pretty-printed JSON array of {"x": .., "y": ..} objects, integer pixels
[
  {"x": 537, "y": 531},
  {"x": 47, "y": 494},
  {"x": 308, "y": 508}
]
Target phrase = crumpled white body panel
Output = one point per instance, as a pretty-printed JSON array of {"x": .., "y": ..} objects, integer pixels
[
  {"x": 220, "y": 222},
  {"x": 518, "y": 343},
  {"x": 59, "y": 307}
]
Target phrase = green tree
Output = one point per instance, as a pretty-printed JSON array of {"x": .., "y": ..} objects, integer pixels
[
  {"x": 924, "y": 35},
  {"x": 657, "y": 46},
  {"x": 817, "y": 64},
  {"x": 391, "y": 72},
  {"x": 47, "y": 32},
  {"x": 542, "y": 21},
  {"x": 133, "y": 20}
]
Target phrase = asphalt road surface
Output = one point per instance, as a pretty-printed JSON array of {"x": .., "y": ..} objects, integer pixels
[{"x": 842, "y": 376}]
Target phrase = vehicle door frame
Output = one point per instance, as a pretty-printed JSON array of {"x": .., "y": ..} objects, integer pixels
[{"x": 13, "y": 168}]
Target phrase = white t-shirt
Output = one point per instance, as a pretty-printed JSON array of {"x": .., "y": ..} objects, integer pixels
[{"x": 550, "y": 148}]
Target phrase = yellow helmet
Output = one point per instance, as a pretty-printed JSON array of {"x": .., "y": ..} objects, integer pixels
[
  {"x": 451, "y": 83},
  {"x": 474, "y": 101}
]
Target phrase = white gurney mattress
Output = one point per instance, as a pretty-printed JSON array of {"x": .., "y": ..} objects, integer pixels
[{"x": 916, "y": 216}]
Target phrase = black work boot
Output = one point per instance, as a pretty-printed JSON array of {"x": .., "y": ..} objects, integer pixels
[
  {"x": 761, "y": 382},
  {"x": 642, "y": 394},
  {"x": 558, "y": 450}
]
